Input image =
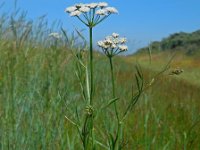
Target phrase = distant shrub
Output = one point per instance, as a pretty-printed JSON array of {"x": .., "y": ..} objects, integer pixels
[{"x": 189, "y": 43}]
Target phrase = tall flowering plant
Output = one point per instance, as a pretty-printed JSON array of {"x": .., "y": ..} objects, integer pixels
[
  {"x": 90, "y": 15},
  {"x": 111, "y": 46}
]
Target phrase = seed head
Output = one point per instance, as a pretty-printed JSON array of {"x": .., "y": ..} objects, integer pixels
[{"x": 176, "y": 71}]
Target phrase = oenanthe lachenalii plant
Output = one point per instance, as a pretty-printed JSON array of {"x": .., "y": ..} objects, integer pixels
[
  {"x": 90, "y": 15},
  {"x": 113, "y": 45}
]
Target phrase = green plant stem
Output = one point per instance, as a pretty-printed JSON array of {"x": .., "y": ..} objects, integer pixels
[
  {"x": 91, "y": 67},
  {"x": 113, "y": 85},
  {"x": 114, "y": 96},
  {"x": 91, "y": 84},
  {"x": 112, "y": 76}
]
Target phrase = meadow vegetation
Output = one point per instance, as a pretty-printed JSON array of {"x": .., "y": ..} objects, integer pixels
[{"x": 39, "y": 88}]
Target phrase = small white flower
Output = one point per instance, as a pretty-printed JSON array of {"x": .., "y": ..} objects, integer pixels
[
  {"x": 115, "y": 35},
  {"x": 116, "y": 41},
  {"x": 102, "y": 4},
  {"x": 75, "y": 13},
  {"x": 123, "y": 47},
  {"x": 108, "y": 42},
  {"x": 101, "y": 12},
  {"x": 55, "y": 35},
  {"x": 123, "y": 40},
  {"x": 70, "y": 9},
  {"x": 113, "y": 46},
  {"x": 92, "y": 5},
  {"x": 84, "y": 9},
  {"x": 100, "y": 44},
  {"x": 112, "y": 10}
]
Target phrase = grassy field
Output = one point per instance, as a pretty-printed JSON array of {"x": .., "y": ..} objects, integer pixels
[
  {"x": 190, "y": 64},
  {"x": 171, "y": 106},
  {"x": 39, "y": 87}
]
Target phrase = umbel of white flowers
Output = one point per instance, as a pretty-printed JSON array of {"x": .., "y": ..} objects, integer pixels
[
  {"x": 113, "y": 45},
  {"x": 91, "y": 14}
]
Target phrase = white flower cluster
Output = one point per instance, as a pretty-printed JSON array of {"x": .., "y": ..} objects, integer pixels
[
  {"x": 55, "y": 35},
  {"x": 103, "y": 9},
  {"x": 113, "y": 44}
]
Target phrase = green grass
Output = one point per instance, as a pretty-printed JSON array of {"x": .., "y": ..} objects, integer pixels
[
  {"x": 190, "y": 64},
  {"x": 39, "y": 87}
]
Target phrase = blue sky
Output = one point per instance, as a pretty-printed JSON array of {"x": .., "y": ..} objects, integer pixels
[{"x": 141, "y": 21}]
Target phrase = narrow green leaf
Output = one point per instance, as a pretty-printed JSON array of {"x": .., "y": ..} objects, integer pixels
[
  {"x": 110, "y": 102},
  {"x": 87, "y": 85},
  {"x": 137, "y": 82}
]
